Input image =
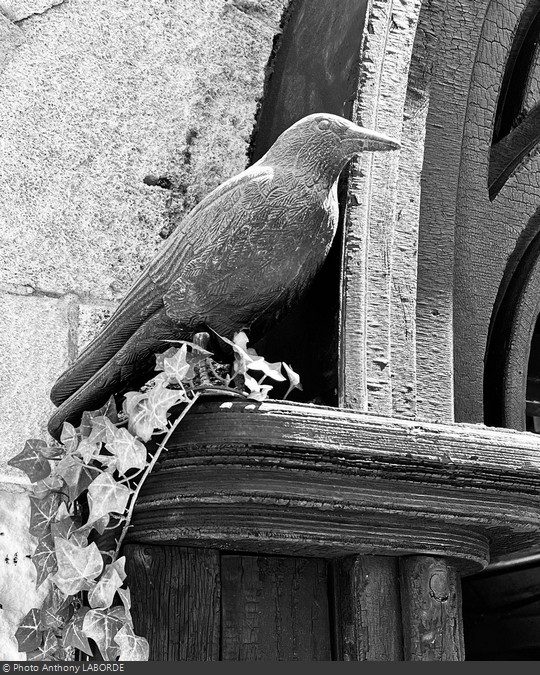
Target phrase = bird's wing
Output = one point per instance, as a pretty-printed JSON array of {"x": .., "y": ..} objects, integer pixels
[
  {"x": 198, "y": 233},
  {"x": 214, "y": 220},
  {"x": 264, "y": 235}
]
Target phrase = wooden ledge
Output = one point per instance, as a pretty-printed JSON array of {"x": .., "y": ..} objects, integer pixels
[{"x": 285, "y": 478}]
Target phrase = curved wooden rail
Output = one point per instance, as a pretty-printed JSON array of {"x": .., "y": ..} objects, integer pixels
[{"x": 297, "y": 479}]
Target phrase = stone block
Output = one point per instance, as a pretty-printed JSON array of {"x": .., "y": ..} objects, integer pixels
[
  {"x": 15, "y": 10},
  {"x": 11, "y": 37},
  {"x": 100, "y": 97},
  {"x": 34, "y": 347},
  {"x": 92, "y": 318}
]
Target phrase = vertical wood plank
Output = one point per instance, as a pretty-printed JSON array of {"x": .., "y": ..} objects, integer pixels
[
  {"x": 366, "y": 328},
  {"x": 404, "y": 271},
  {"x": 274, "y": 609},
  {"x": 176, "y": 604},
  {"x": 431, "y": 605},
  {"x": 367, "y": 609}
]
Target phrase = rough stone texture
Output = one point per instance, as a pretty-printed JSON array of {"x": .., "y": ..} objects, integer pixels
[
  {"x": 99, "y": 98},
  {"x": 15, "y": 10},
  {"x": 18, "y": 593},
  {"x": 11, "y": 37},
  {"x": 92, "y": 318},
  {"x": 33, "y": 345}
]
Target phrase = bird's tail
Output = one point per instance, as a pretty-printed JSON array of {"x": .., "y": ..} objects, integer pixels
[
  {"x": 128, "y": 369},
  {"x": 141, "y": 303}
]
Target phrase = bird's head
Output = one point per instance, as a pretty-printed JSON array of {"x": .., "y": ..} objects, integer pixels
[{"x": 323, "y": 143}]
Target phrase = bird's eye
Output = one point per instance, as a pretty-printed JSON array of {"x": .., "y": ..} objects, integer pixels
[{"x": 323, "y": 125}]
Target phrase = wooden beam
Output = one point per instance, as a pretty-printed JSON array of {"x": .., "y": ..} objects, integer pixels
[
  {"x": 274, "y": 609},
  {"x": 176, "y": 605},
  {"x": 431, "y": 605},
  {"x": 367, "y": 609}
]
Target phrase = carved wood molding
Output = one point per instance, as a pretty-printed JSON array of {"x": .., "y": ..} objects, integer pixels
[
  {"x": 512, "y": 150},
  {"x": 506, "y": 379},
  {"x": 297, "y": 479}
]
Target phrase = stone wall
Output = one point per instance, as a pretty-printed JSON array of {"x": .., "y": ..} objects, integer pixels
[{"x": 116, "y": 119}]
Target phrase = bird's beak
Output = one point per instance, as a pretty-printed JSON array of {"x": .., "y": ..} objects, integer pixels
[{"x": 365, "y": 139}]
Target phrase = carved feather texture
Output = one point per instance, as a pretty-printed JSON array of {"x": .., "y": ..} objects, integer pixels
[{"x": 246, "y": 252}]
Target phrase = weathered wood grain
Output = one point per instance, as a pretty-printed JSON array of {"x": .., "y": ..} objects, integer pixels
[
  {"x": 307, "y": 480},
  {"x": 403, "y": 283},
  {"x": 274, "y": 609},
  {"x": 365, "y": 327},
  {"x": 491, "y": 236},
  {"x": 367, "y": 609},
  {"x": 431, "y": 605},
  {"x": 176, "y": 600},
  {"x": 512, "y": 150}
]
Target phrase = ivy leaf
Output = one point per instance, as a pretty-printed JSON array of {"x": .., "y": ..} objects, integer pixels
[
  {"x": 52, "y": 451},
  {"x": 49, "y": 618},
  {"x": 148, "y": 411},
  {"x": 247, "y": 359},
  {"x": 102, "y": 626},
  {"x": 98, "y": 525},
  {"x": 258, "y": 392},
  {"x": 176, "y": 367},
  {"x": 76, "y": 475},
  {"x": 129, "y": 452},
  {"x": 52, "y": 483},
  {"x": 294, "y": 380},
  {"x": 42, "y": 514},
  {"x": 69, "y": 437},
  {"x": 132, "y": 647},
  {"x": 242, "y": 356},
  {"x": 100, "y": 425},
  {"x": 32, "y": 461},
  {"x": 125, "y": 597},
  {"x": 272, "y": 370},
  {"x": 88, "y": 450},
  {"x": 44, "y": 559},
  {"x": 63, "y": 512},
  {"x": 78, "y": 566},
  {"x": 108, "y": 410},
  {"x": 102, "y": 595},
  {"x": 74, "y": 635},
  {"x": 106, "y": 496},
  {"x": 30, "y": 632},
  {"x": 252, "y": 361},
  {"x": 68, "y": 528},
  {"x": 63, "y": 606},
  {"x": 160, "y": 358},
  {"x": 48, "y": 650}
]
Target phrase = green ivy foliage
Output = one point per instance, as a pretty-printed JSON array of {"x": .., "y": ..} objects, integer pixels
[{"x": 89, "y": 483}]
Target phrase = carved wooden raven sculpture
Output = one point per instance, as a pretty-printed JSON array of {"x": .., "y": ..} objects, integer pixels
[{"x": 243, "y": 255}]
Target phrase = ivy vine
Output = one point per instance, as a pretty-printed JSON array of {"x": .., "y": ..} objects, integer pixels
[{"x": 89, "y": 483}]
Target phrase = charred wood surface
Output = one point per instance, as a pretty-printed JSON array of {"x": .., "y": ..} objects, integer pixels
[
  {"x": 176, "y": 600},
  {"x": 274, "y": 609}
]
